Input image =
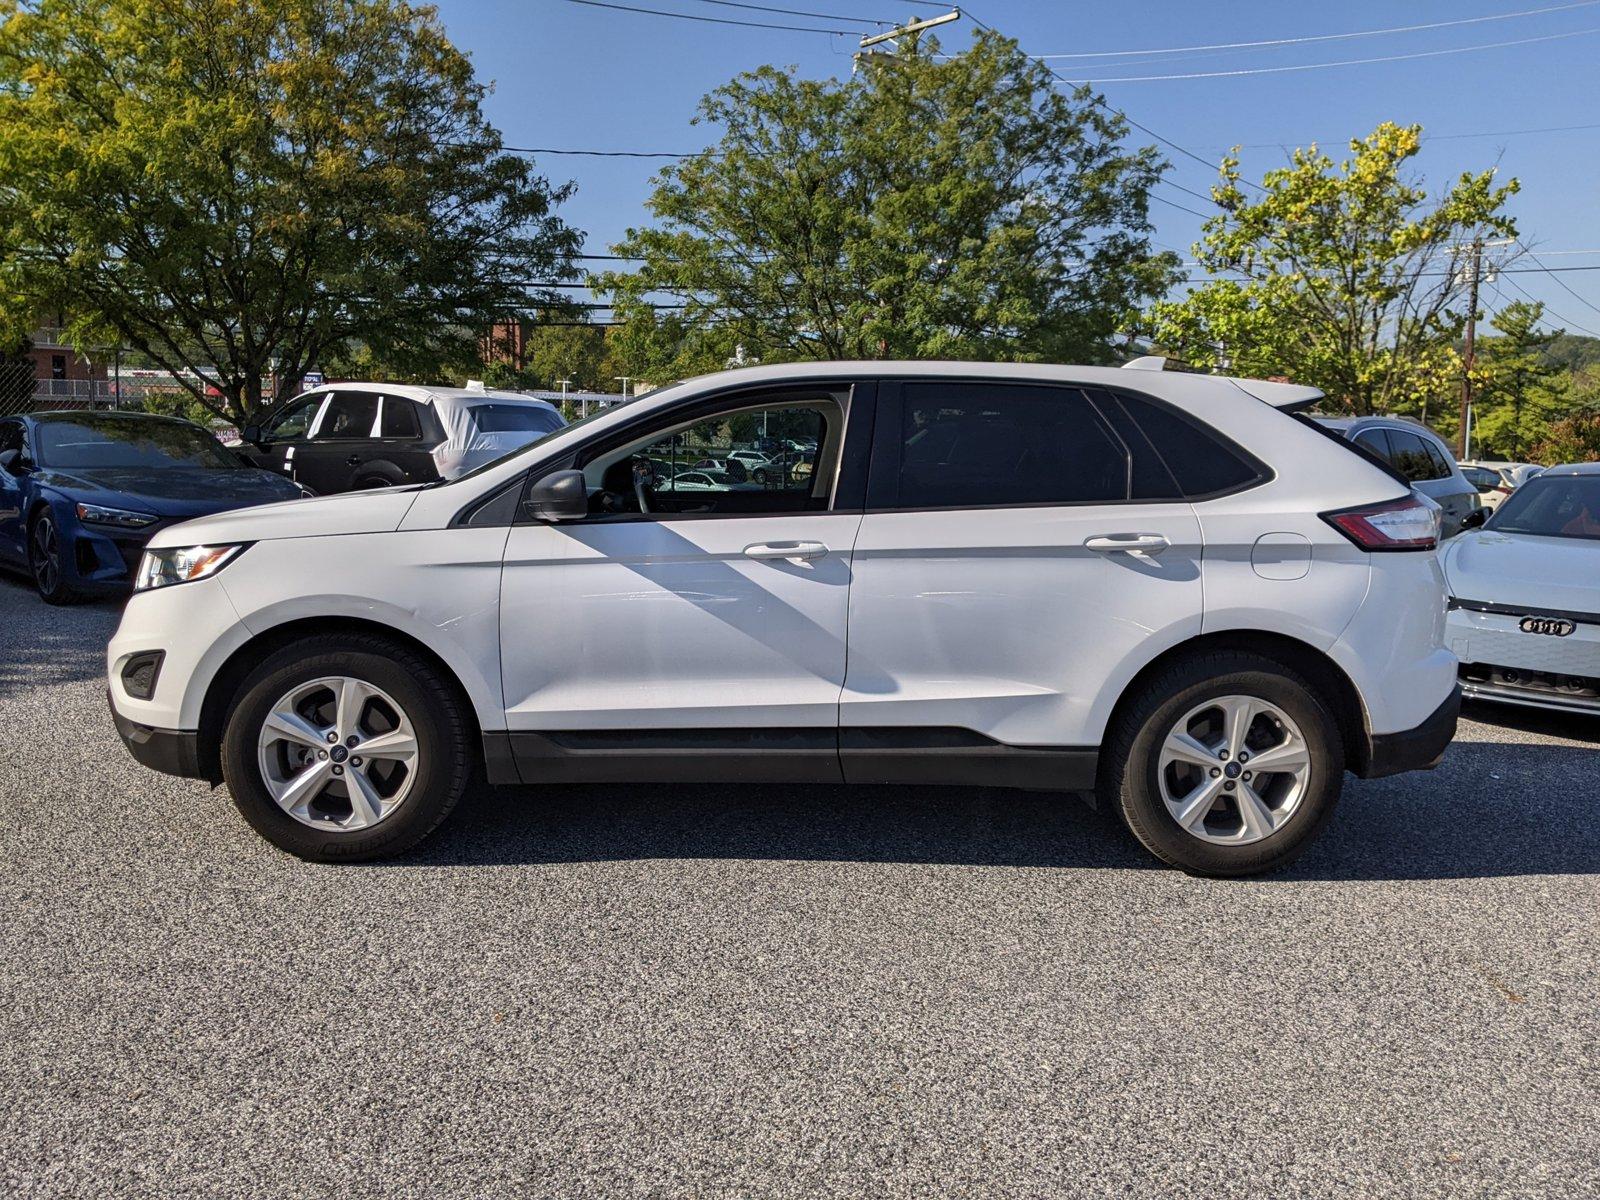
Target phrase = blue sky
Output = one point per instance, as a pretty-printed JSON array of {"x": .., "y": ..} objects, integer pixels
[{"x": 571, "y": 76}]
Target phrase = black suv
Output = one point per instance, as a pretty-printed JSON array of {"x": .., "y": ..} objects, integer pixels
[{"x": 350, "y": 436}]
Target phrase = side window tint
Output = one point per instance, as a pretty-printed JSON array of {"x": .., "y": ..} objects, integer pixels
[
  {"x": 1411, "y": 456},
  {"x": 295, "y": 421},
  {"x": 399, "y": 419},
  {"x": 973, "y": 444},
  {"x": 1441, "y": 464},
  {"x": 1201, "y": 462},
  {"x": 350, "y": 415},
  {"x": 1375, "y": 441},
  {"x": 10, "y": 436}
]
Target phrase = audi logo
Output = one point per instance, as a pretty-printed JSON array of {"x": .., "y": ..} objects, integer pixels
[{"x": 1553, "y": 626}]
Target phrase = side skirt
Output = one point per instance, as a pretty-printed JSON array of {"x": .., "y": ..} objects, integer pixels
[{"x": 926, "y": 756}]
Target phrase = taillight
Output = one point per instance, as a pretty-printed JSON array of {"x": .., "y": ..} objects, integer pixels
[{"x": 1411, "y": 523}]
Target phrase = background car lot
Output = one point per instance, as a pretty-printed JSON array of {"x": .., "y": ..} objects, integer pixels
[{"x": 784, "y": 991}]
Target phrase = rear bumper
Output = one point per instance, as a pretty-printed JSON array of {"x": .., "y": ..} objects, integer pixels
[
  {"x": 170, "y": 751},
  {"x": 1416, "y": 749}
]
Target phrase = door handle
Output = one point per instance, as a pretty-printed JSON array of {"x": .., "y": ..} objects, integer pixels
[
  {"x": 1128, "y": 543},
  {"x": 786, "y": 550}
]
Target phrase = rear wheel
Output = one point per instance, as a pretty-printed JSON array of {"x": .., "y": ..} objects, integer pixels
[
  {"x": 345, "y": 748},
  {"x": 1228, "y": 764},
  {"x": 46, "y": 559}
]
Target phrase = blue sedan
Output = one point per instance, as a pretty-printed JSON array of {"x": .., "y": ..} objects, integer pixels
[{"x": 82, "y": 492}]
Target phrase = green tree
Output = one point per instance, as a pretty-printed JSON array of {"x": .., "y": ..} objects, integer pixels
[
  {"x": 926, "y": 207},
  {"x": 579, "y": 353},
  {"x": 1341, "y": 275},
  {"x": 1513, "y": 379},
  {"x": 261, "y": 185}
]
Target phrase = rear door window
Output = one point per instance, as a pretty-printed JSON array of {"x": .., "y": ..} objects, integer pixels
[
  {"x": 399, "y": 419},
  {"x": 1375, "y": 441},
  {"x": 1410, "y": 456},
  {"x": 978, "y": 444},
  {"x": 350, "y": 415}
]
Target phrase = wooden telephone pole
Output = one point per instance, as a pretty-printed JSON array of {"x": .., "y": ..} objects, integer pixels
[{"x": 1467, "y": 347}]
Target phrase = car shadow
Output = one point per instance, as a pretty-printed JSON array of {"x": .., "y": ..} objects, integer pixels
[
  {"x": 39, "y": 647},
  {"x": 1490, "y": 809}
]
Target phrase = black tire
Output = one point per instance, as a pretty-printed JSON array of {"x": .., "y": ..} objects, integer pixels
[
  {"x": 46, "y": 563},
  {"x": 443, "y": 733},
  {"x": 1130, "y": 787}
]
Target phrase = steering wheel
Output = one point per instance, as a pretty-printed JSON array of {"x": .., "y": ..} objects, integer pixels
[{"x": 644, "y": 475}]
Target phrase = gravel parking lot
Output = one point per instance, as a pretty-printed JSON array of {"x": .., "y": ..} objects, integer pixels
[{"x": 676, "y": 991}]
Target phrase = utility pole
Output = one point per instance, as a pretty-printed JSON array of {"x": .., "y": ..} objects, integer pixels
[
  {"x": 1476, "y": 270},
  {"x": 623, "y": 379},
  {"x": 899, "y": 31},
  {"x": 563, "y": 383}
]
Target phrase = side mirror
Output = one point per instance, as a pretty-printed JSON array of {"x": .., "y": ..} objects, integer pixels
[
  {"x": 1475, "y": 518},
  {"x": 559, "y": 496},
  {"x": 251, "y": 434},
  {"x": 9, "y": 460}
]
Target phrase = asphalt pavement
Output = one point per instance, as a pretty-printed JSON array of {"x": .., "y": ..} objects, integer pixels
[{"x": 786, "y": 991}]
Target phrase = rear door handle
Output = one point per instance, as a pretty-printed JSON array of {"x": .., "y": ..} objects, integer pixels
[
  {"x": 1128, "y": 543},
  {"x": 786, "y": 550}
]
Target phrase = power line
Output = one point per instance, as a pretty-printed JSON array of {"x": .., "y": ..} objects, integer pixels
[
  {"x": 661, "y": 12},
  {"x": 801, "y": 12},
  {"x": 1426, "y": 137},
  {"x": 1326, "y": 37},
  {"x": 1347, "y": 62},
  {"x": 1105, "y": 104},
  {"x": 1550, "y": 312},
  {"x": 1552, "y": 273}
]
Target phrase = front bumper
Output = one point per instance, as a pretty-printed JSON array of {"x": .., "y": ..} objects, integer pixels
[
  {"x": 170, "y": 751},
  {"x": 1418, "y": 749}
]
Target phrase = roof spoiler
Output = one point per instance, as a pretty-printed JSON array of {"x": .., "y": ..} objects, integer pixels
[{"x": 1285, "y": 397}]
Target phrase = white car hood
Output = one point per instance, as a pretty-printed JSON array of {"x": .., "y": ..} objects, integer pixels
[
  {"x": 378, "y": 511},
  {"x": 1525, "y": 571}
]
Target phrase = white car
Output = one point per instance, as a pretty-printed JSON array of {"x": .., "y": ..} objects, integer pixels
[
  {"x": 1162, "y": 587},
  {"x": 1525, "y": 595},
  {"x": 1497, "y": 480}
]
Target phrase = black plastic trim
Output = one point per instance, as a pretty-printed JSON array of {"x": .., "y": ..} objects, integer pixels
[
  {"x": 134, "y": 662},
  {"x": 170, "y": 751},
  {"x": 780, "y": 755},
  {"x": 1511, "y": 610},
  {"x": 1416, "y": 749}
]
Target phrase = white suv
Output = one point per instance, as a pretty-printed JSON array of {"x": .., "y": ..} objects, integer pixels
[{"x": 1161, "y": 587}]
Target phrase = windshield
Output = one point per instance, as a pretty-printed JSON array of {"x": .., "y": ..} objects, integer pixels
[
  {"x": 515, "y": 418},
  {"x": 1552, "y": 506},
  {"x": 123, "y": 440}
]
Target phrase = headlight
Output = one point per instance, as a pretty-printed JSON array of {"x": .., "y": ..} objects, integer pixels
[
  {"x": 182, "y": 564},
  {"x": 122, "y": 518}
]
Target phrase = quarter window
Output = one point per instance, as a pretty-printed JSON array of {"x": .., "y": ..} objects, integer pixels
[
  {"x": 966, "y": 445},
  {"x": 1200, "y": 462}
]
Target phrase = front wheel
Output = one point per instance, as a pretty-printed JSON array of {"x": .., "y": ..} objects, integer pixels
[
  {"x": 45, "y": 557},
  {"x": 1228, "y": 764},
  {"x": 345, "y": 748}
]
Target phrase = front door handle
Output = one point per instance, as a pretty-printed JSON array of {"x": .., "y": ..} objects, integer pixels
[
  {"x": 786, "y": 550},
  {"x": 1128, "y": 543}
]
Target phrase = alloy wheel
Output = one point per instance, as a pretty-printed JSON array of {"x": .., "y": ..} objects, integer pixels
[
  {"x": 338, "y": 754},
  {"x": 46, "y": 555},
  {"x": 1234, "y": 770}
]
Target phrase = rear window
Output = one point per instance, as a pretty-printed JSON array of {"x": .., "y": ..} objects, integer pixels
[{"x": 514, "y": 418}]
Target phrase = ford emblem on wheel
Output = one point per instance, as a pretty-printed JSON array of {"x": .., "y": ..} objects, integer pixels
[{"x": 1553, "y": 626}]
